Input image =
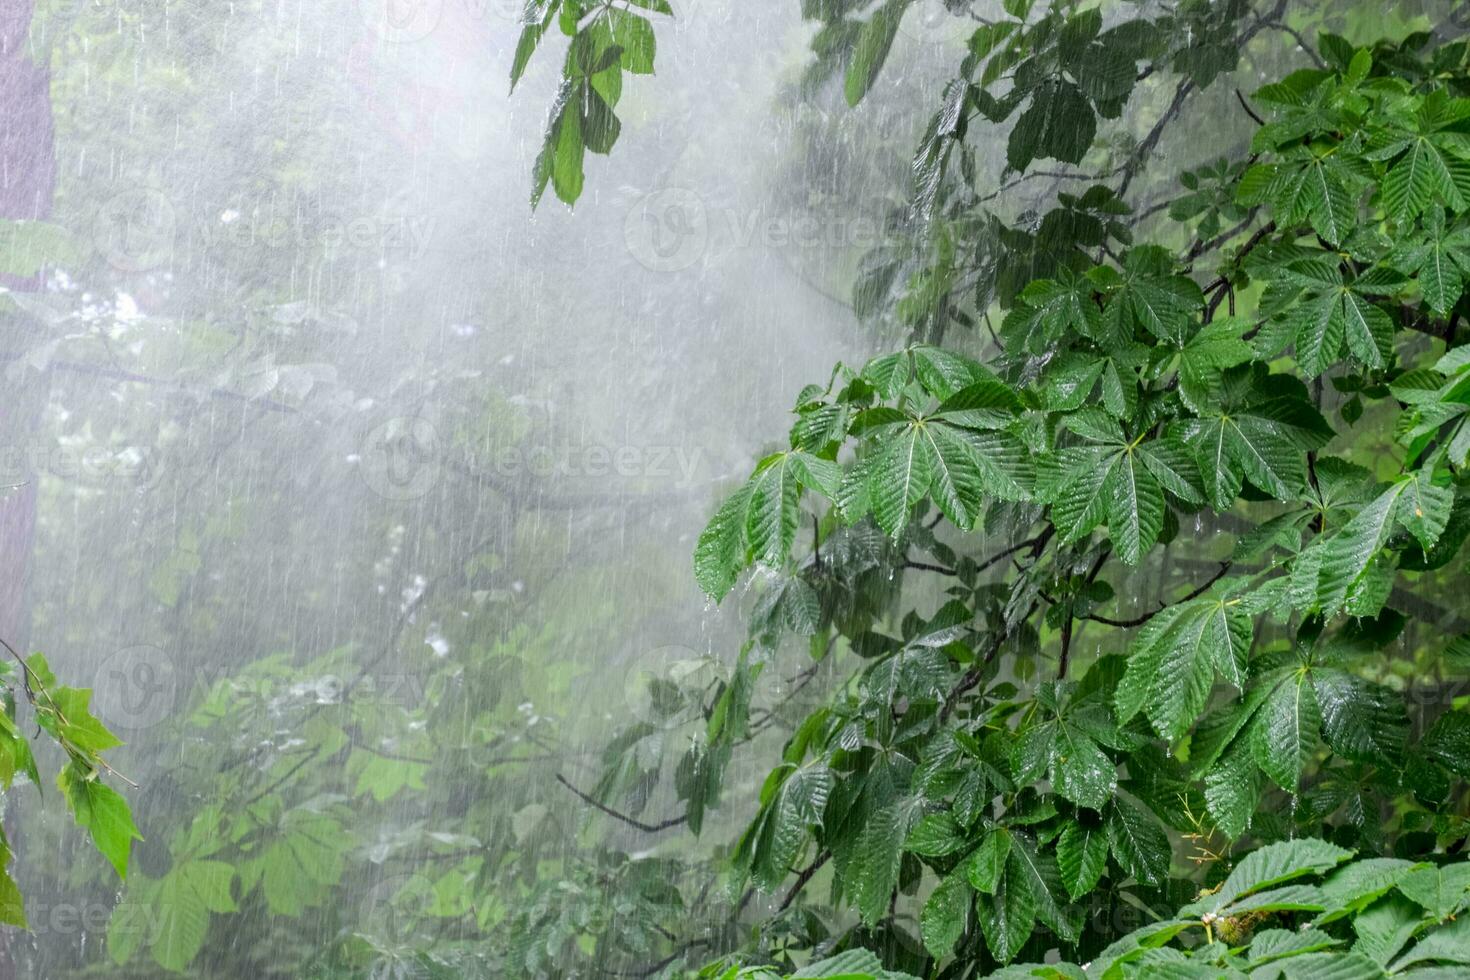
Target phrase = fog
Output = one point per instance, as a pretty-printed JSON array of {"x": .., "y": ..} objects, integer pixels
[
  {"x": 318, "y": 379},
  {"x": 328, "y": 452}
]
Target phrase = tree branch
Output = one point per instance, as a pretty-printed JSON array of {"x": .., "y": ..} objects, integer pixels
[
  {"x": 1140, "y": 620},
  {"x": 647, "y": 828}
]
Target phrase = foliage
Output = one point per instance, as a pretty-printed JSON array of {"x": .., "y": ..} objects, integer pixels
[
  {"x": 317, "y": 822},
  {"x": 1126, "y": 398},
  {"x": 1368, "y": 918},
  {"x": 606, "y": 42},
  {"x": 64, "y": 714}
]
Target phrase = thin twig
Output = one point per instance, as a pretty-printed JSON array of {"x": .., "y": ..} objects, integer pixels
[
  {"x": 647, "y": 828},
  {"x": 1140, "y": 620},
  {"x": 1248, "y": 110}
]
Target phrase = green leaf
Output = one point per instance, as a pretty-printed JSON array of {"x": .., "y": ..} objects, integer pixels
[
  {"x": 900, "y": 478},
  {"x": 1058, "y": 124},
  {"x": 1286, "y": 732},
  {"x": 1151, "y": 295},
  {"x": 1449, "y": 944},
  {"x": 957, "y": 483},
  {"x": 945, "y": 916},
  {"x": 568, "y": 152},
  {"x": 1135, "y": 507},
  {"x": 1173, "y": 661},
  {"x": 1007, "y": 917},
  {"x": 1386, "y": 927},
  {"x": 871, "y": 49},
  {"x": 1270, "y": 945},
  {"x": 1233, "y": 789},
  {"x": 770, "y": 521},
  {"x": 1424, "y": 509},
  {"x": 1263, "y": 441},
  {"x": 1368, "y": 329},
  {"x": 1442, "y": 892},
  {"x": 1411, "y": 183},
  {"x": 634, "y": 34},
  {"x": 12, "y": 905},
  {"x": 102, "y": 812},
  {"x": 1348, "y": 555},
  {"x": 1138, "y": 843},
  {"x": 720, "y": 553},
  {"x": 985, "y": 866},
  {"x": 1268, "y": 866},
  {"x": 1361, "y": 721},
  {"x": 1081, "y": 772},
  {"x": 186, "y": 897},
  {"x": 1353, "y": 887},
  {"x": 796, "y": 809},
  {"x": 1082, "y": 856}
]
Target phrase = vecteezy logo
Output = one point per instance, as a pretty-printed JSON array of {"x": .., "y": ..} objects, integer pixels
[
  {"x": 395, "y": 908},
  {"x": 511, "y": 10},
  {"x": 928, "y": 22},
  {"x": 134, "y": 229},
  {"x": 401, "y": 21},
  {"x": 400, "y": 458},
  {"x": 667, "y": 230},
  {"x": 658, "y": 683},
  {"x": 135, "y": 688}
]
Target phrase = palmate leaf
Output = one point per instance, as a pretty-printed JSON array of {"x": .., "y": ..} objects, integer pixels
[
  {"x": 1149, "y": 293},
  {"x": 1441, "y": 259},
  {"x": 1350, "y": 560},
  {"x": 957, "y": 485},
  {"x": 1215, "y": 347},
  {"x": 1420, "y": 176},
  {"x": 1058, "y": 124},
  {"x": 757, "y": 522},
  {"x": 1120, "y": 482},
  {"x": 1047, "y": 309},
  {"x": 185, "y": 898},
  {"x": 1262, "y": 440},
  {"x": 1172, "y": 663}
]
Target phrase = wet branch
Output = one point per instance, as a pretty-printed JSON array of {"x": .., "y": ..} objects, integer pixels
[
  {"x": 647, "y": 828},
  {"x": 1140, "y": 620}
]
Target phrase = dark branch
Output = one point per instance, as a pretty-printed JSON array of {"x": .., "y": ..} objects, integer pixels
[
  {"x": 1140, "y": 620},
  {"x": 806, "y": 875},
  {"x": 1248, "y": 110},
  {"x": 647, "y": 828}
]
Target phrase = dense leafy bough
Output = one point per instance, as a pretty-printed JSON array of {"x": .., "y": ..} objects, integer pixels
[
  {"x": 1025, "y": 759},
  {"x": 1358, "y": 919},
  {"x": 64, "y": 714}
]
